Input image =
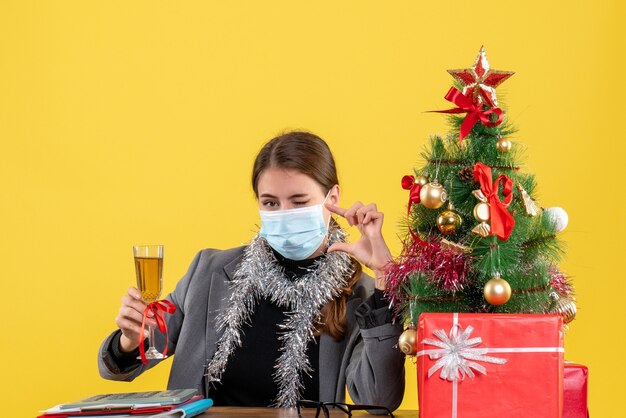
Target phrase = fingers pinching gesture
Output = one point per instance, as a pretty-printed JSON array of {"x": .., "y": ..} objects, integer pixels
[{"x": 370, "y": 249}]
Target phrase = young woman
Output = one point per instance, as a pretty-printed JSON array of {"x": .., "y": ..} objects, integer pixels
[{"x": 289, "y": 316}]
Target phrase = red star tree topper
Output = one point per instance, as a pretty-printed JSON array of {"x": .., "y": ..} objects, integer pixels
[{"x": 480, "y": 81}]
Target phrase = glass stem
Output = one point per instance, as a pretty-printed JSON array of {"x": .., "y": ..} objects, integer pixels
[{"x": 151, "y": 338}]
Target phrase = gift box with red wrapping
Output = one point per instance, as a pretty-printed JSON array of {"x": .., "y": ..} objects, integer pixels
[
  {"x": 490, "y": 365},
  {"x": 575, "y": 391}
]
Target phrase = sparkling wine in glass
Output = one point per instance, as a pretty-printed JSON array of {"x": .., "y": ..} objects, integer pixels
[{"x": 149, "y": 271}]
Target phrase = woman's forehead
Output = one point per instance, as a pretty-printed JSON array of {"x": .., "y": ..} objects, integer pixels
[{"x": 285, "y": 182}]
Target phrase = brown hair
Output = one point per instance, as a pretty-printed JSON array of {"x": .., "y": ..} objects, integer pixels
[{"x": 309, "y": 154}]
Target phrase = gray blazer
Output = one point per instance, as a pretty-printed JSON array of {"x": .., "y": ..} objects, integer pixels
[{"x": 365, "y": 360}]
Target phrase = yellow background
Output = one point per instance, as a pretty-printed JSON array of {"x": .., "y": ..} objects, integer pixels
[{"x": 126, "y": 122}]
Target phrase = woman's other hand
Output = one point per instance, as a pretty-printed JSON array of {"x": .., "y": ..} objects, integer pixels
[{"x": 370, "y": 249}]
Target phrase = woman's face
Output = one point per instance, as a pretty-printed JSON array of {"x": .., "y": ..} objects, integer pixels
[{"x": 281, "y": 189}]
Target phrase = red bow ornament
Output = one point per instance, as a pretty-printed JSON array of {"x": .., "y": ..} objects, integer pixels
[
  {"x": 502, "y": 222},
  {"x": 159, "y": 308},
  {"x": 409, "y": 183},
  {"x": 474, "y": 112},
  {"x": 414, "y": 187}
]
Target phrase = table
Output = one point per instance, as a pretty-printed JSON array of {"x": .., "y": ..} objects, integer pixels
[{"x": 239, "y": 412}]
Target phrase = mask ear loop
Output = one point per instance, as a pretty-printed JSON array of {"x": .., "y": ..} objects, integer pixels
[
  {"x": 326, "y": 197},
  {"x": 330, "y": 217},
  {"x": 323, "y": 203}
]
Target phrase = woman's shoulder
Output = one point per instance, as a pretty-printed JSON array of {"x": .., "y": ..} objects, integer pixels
[
  {"x": 213, "y": 257},
  {"x": 209, "y": 261}
]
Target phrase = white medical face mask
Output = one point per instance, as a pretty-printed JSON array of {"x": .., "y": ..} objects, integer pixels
[{"x": 294, "y": 233}]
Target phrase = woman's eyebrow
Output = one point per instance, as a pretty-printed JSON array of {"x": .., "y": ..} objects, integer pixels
[
  {"x": 298, "y": 196},
  {"x": 293, "y": 196}
]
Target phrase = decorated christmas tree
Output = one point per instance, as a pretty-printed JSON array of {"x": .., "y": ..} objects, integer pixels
[{"x": 477, "y": 239}]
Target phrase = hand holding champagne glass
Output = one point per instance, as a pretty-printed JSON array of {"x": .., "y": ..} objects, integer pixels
[{"x": 149, "y": 271}]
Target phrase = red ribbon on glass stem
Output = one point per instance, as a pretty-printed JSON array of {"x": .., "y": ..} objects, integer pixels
[
  {"x": 159, "y": 308},
  {"x": 474, "y": 112},
  {"x": 502, "y": 222}
]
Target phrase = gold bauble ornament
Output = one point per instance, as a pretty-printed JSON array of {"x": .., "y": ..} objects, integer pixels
[
  {"x": 407, "y": 343},
  {"x": 503, "y": 145},
  {"x": 449, "y": 222},
  {"x": 421, "y": 180},
  {"x": 565, "y": 307},
  {"x": 497, "y": 291},
  {"x": 482, "y": 212},
  {"x": 433, "y": 195}
]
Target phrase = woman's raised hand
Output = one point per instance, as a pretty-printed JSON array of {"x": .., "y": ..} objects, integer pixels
[
  {"x": 129, "y": 319},
  {"x": 370, "y": 249}
]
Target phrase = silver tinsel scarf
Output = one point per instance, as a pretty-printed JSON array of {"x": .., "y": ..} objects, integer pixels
[{"x": 260, "y": 276}]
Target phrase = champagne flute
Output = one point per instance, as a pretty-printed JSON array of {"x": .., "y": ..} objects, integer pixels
[{"x": 149, "y": 271}]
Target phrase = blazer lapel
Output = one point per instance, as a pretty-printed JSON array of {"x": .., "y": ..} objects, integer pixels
[
  {"x": 230, "y": 268},
  {"x": 218, "y": 294}
]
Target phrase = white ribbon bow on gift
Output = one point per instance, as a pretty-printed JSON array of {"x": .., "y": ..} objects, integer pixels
[{"x": 456, "y": 353}]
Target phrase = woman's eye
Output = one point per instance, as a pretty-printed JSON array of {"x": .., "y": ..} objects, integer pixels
[
  {"x": 300, "y": 203},
  {"x": 270, "y": 204}
]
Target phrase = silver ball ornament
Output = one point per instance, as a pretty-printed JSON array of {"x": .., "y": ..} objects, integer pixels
[{"x": 558, "y": 216}]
